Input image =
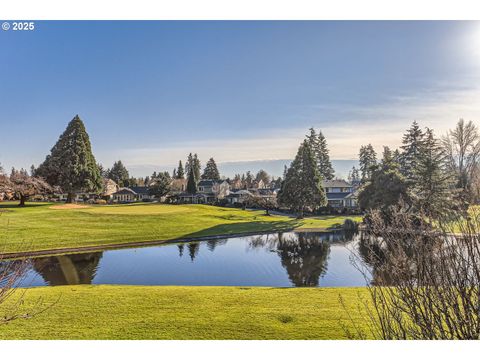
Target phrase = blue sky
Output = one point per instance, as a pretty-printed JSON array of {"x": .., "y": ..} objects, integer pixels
[{"x": 151, "y": 92}]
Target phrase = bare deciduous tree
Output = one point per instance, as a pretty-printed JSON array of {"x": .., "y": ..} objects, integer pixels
[
  {"x": 23, "y": 185},
  {"x": 462, "y": 149},
  {"x": 12, "y": 297},
  {"x": 424, "y": 282},
  {"x": 264, "y": 202}
]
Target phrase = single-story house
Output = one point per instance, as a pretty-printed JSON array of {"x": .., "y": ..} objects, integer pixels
[
  {"x": 124, "y": 195},
  {"x": 239, "y": 196},
  {"x": 142, "y": 193},
  {"x": 132, "y": 194},
  {"x": 197, "y": 198}
]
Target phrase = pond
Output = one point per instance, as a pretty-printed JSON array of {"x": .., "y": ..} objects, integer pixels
[{"x": 278, "y": 260}]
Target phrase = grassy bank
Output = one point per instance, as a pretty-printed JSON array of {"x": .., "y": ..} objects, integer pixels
[
  {"x": 41, "y": 226},
  {"x": 143, "y": 312}
]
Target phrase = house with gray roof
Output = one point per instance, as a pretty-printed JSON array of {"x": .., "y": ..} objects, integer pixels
[
  {"x": 340, "y": 193},
  {"x": 132, "y": 194},
  {"x": 208, "y": 192}
]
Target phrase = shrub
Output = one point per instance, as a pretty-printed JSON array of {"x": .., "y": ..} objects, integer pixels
[
  {"x": 350, "y": 225},
  {"x": 101, "y": 202}
]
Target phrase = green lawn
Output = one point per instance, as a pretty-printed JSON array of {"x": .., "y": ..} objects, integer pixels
[
  {"x": 164, "y": 312},
  {"x": 39, "y": 227}
]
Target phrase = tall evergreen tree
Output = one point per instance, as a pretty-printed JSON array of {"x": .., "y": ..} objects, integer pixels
[
  {"x": 354, "y": 175},
  {"x": 188, "y": 164},
  {"x": 119, "y": 173},
  {"x": 432, "y": 189},
  {"x": 249, "y": 180},
  {"x": 387, "y": 156},
  {"x": 191, "y": 183},
  {"x": 367, "y": 160},
  {"x": 71, "y": 164},
  {"x": 319, "y": 147},
  {"x": 211, "y": 171},
  {"x": 180, "y": 171},
  {"x": 412, "y": 143},
  {"x": 324, "y": 163},
  {"x": 385, "y": 187},
  {"x": 302, "y": 188},
  {"x": 196, "y": 167},
  {"x": 312, "y": 139}
]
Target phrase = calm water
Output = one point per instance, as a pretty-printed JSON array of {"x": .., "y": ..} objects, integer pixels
[{"x": 285, "y": 260}]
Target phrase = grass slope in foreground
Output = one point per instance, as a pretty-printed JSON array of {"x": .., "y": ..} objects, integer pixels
[
  {"x": 153, "y": 312},
  {"x": 42, "y": 226}
]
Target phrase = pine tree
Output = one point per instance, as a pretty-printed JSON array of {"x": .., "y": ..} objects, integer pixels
[
  {"x": 196, "y": 167},
  {"x": 180, "y": 172},
  {"x": 160, "y": 185},
  {"x": 367, "y": 159},
  {"x": 188, "y": 164},
  {"x": 387, "y": 156},
  {"x": 412, "y": 143},
  {"x": 71, "y": 164},
  {"x": 324, "y": 164},
  {"x": 319, "y": 147},
  {"x": 119, "y": 173},
  {"x": 432, "y": 189},
  {"x": 354, "y": 175},
  {"x": 302, "y": 188},
  {"x": 191, "y": 183},
  {"x": 313, "y": 141},
  {"x": 249, "y": 180},
  {"x": 211, "y": 171},
  {"x": 385, "y": 187}
]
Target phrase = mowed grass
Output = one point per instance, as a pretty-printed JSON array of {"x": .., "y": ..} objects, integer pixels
[
  {"x": 164, "y": 312},
  {"x": 39, "y": 227}
]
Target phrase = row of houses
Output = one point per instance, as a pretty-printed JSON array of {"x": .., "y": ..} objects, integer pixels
[{"x": 340, "y": 194}]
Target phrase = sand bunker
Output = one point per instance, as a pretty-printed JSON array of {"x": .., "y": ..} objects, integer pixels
[{"x": 68, "y": 206}]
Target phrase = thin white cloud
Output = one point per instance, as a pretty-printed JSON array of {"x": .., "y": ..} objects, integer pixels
[{"x": 353, "y": 126}]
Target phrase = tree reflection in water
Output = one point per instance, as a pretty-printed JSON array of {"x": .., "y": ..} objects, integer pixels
[
  {"x": 193, "y": 249},
  {"x": 68, "y": 269},
  {"x": 180, "y": 249},
  {"x": 303, "y": 255}
]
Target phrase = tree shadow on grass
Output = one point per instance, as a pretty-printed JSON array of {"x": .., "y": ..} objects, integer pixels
[
  {"x": 14, "y": 205},
  {"x": 240, "y": 228},
  {"x": 336, "y": 226}
]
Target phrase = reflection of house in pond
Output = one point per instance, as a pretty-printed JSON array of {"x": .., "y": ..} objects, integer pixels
[
  {"x": 303, "y": 255},
  {"x": 68, "y": 269}
]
